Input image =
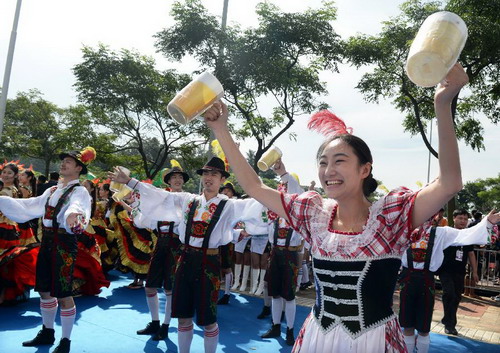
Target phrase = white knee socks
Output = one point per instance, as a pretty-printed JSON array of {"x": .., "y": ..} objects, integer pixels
[
  {"x": 48, "y": 308},
  {"x": 237, "y": 274},
  {"x": 185, "y": 337},
  {"x": 211, "y": 339},
  {"x": 67, "y": 321},
  {"x": 277, "y": 309},
  {"x": 423, "y": 343},
  {"x": 168, "y": 309},
  {"x": 153, "y": 305},
  {"x": 290, "y": 309},
  {"x": 410, "y": 343},
  {"x": 228, "y": 279}
]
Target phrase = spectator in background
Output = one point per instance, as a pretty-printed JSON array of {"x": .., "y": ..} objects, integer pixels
[
  {"x": 440, "y": 220},
  {"x": 452, "y": 274},
  {"x": 40, "y": 180},
  {"x": 54, "y": 179},
  {"x": 477, "y": 216}
]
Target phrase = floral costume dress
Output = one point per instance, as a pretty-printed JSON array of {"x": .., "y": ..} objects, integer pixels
[{"x": 355, "y": 273}]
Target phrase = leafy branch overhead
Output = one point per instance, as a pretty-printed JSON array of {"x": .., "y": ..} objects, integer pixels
[
  {"x": 388, "y": 50},
  {"x": 270, "y": 73},
  {"x": 129, "y": 97}
]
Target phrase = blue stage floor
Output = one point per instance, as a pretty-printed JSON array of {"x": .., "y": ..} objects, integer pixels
[{"x": 108, "y": 324}]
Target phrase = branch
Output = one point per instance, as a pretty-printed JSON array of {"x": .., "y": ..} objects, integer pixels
[{"x": 417, "y": 116}]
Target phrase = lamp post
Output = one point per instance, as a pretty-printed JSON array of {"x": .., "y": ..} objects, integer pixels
[
  {"x": 429, "y": 158},
  {"x": 8, "y": 65}
]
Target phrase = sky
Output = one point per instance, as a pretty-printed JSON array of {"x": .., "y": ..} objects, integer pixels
[{"x": 51, "y": 34}]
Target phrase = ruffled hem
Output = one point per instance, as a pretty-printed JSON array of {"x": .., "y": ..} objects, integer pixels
[
  {"x": 18, "y": 270},
  {"x": 386, "y": 338}
]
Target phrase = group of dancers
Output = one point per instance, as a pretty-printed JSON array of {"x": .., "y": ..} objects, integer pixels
[{"x": 182, "y": 241}]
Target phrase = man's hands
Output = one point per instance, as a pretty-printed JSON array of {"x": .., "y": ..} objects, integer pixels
[{"x": 119, "y": 176}]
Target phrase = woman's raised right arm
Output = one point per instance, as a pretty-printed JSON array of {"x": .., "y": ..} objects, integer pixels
[{"x": 216, "y": 118}]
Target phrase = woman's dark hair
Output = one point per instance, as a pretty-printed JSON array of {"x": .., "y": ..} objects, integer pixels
[
  {"x": 93, "y": 194},
  {"x": 31, "y": 175},
  {"x": 362, "y": 151},
  {"x": 110, "y": 201},
  {"x": 15, "y": 169}
]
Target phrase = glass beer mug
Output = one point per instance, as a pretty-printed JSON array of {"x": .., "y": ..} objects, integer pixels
[
  {"x": 269, "y": 158},
  {"x": 194, "y": 99},
  {"x": 120, "y": 195},
  {"x": 436, "y": 48}
]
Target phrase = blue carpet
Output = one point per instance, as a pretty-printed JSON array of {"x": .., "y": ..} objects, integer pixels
[{"x": 108, "y": 323}]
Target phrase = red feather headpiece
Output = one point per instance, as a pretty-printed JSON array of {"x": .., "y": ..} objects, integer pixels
[
  {"x": 328, "y": 124},
  {"x": 87, "y": 155}
]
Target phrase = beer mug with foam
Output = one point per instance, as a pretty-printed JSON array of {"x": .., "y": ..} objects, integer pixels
[
  {"x": 436, "y": 48},
  {"x": 116, "y": 187},
  {"x": 195, "y": 98},
  {"x": 269, "y": 158},
  {"x": 118, "y": 196}
]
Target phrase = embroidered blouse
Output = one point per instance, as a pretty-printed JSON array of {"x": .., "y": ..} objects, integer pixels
[
  {"x": 160, "y": 204},
  {"x": 23, "y": 210}
]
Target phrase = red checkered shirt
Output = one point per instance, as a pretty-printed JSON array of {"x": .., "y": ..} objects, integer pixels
[{"x": 386, "y": 232}]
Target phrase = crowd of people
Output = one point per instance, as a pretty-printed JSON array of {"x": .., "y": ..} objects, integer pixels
[{"x": 62, "y": 236}]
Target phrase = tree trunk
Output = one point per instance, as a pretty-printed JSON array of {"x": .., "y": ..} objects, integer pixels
[
  {"x": 452, "y": 205},
  {"x": 47, "y": 168}
]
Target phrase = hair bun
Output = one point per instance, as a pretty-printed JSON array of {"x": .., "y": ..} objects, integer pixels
[{"x": 369, "y": 185}]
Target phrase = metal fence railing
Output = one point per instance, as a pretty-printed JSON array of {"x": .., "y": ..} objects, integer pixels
[{"x": 488, "y": 267}]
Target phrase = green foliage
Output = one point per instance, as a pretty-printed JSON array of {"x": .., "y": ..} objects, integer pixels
[
  {"x": 129, "y": 98},
  {"x": 279, "y": 61},
  {"x": 388, "y": 50},
  {"x": 482, "y": 195},
  {"x": 37, "y": 128}
]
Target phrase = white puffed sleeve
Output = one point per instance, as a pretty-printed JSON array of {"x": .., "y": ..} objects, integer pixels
[{"x": 23, "y": 210}]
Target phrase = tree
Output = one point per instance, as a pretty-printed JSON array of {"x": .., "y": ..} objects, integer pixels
[
  {"x": 482, "y": 195},
  {"x": 480, "y": 58},
  {"x": 277, "y": 63},
  {"x": 129, "y": 96},
  {"x": 37, "y": 128}
]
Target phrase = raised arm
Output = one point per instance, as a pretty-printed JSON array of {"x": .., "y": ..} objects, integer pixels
[
  {"x": 449, "y": 181},
  {"x": 216, "y": 119},
  {"x": 22, "y": 210}
]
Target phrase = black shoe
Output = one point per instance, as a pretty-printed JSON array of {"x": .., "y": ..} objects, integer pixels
[
  {"x": 63, "y": 346},
  {"x": 151, "y": 328},
  {"x": 224, "y": 300},
  {"x": 162, "y": 333},
  {"x": 290, "y": 340},
  {"x": 451, "y": 331},
  {"x": 304, "y": 286},
  {"x": 43, "y": 337},
  {"x": 266, "y": 311},
  {"x": 274, "y": 331}
]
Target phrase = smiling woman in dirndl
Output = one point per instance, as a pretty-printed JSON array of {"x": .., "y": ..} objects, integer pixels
[{"x": 356, "y": 245}]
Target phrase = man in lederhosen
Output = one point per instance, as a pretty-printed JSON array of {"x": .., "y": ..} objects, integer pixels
[
  {"x": 164, "y": 259},
  {"x": 207, "y": 226},
  {"x": 420, "y": 263},
  {"x": 66, "y": 212},
  {"x": 281, "y": 276}
]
